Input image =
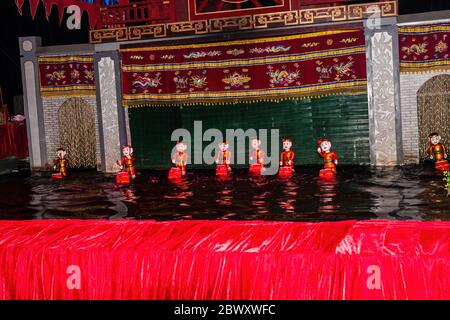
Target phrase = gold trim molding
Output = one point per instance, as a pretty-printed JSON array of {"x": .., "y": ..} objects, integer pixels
[
  {"x": 258, "y": 21},
  {"x": 233, "y": 23}
]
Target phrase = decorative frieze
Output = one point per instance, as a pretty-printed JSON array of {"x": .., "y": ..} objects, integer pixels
[{"x": 248, "y": 22}]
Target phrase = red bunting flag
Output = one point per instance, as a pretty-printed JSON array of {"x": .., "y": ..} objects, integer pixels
[
  {"x": 93, "y": 10},
  {"x": 19, "y": 4}
]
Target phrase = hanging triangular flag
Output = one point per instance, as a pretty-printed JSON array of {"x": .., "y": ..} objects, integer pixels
[
  {"x": 92, "y": 9},
  {"x": 33, "y": 7},
  {"x": 19, "y": 4},
  {"x": 48, "y": 4}
]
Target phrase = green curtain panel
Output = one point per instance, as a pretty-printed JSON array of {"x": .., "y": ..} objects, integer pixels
[{"x": 341, "y": 118}]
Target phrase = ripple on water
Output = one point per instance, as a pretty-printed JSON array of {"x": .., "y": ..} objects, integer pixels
[{"x": 357, "y": 193}]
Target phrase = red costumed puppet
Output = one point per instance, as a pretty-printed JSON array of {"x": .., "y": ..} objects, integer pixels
[
  {"x": 180, "y": 157},
  {"x": 60, "y": 164},
  {"x": 256, "y": 157},
  {"x": 287, "y": 155},
  {"x": 224, "y": 156},
  {"x": 257, "y": 154},
  {"x": 127, "y": 163},
  {"x": 330, "y": 158},
  {"x": 438, "y": 152},
  {"x": 286, "y": 160}
]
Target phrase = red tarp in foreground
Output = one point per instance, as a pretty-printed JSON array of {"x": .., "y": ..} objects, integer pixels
[{"x": 224, "y": 260}]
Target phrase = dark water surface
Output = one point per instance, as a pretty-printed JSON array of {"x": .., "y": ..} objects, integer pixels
[{"x": 358, "y": 193}]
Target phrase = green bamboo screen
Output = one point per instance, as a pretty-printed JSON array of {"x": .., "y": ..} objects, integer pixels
[{"x": 341, "y": 118}]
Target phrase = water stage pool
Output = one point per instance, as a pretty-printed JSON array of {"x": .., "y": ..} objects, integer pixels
[{"x": 401, "y": 193}]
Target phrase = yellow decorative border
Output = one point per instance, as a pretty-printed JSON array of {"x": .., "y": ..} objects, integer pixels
[
  {"x": 416, "y": 67},
  {"x": 155, "y": 30},
  {"x": 198, "y": 27},
  {"x": 309, "y": 16},
  {"x": 288, "y": 18},
  {"x": 68, "y": 88},
  {"x": 65, "y": 59},
  {"x": 201, "y": 98},
  {"x": 240, "y": 42},
  {"x": 424, "y": 29},
  {"x": 359, "y": 11},
  {"x": 116, "y": 34},
  {"x": 244, "y": 62},
  {"x": 240, "y": 23},
  {"x": 68, "y": 93},
  {"x": 257, "y": 21}
]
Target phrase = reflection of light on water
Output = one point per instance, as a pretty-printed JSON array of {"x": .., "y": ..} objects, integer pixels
[
  {"x": 367, "y": 193},
  {"x": 229, "y": 215},
  {"x": 327, "y": 195},
  {"x": 289, "y": 196},
  {"x": 181, "y": 195},
  {"x": 225, "y": 197},
  {"x": 259, "y": 201},
  {"x": 181, "y": 191},
  {"x": 223, "y": 178},
  {"x": 128, "y": 195}
]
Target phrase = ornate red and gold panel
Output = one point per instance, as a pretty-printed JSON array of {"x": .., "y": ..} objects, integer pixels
[
  {"x": 424, "y": 48},
  {"x": 207, "y": 9},
  {"x": 66, "y": 75},
  {"x": 275, "y": 68}
]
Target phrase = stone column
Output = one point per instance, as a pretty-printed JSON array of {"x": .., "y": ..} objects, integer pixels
[
  {"x": 111, "y": 114},
  {"x": 383, "y": 75},
  {"x": 32, "y": 101}
]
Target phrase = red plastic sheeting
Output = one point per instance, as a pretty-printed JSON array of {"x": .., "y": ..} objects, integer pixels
[
  {"x": 13, "y": 141},
  {"x": 224, "y": 260}
]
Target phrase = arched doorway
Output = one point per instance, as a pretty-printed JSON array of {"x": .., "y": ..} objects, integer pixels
[
  {"x": 77, "y": 133},
  {"x": 433, "y": 107}
]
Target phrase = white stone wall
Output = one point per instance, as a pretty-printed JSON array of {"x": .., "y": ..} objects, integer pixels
[
  {"x": 410, "y": 83},
  {"x": 51, "y": 107}
]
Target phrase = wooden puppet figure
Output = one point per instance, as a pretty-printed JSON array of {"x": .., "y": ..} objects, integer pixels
[
  {"x": 60, "y": 163},
  {"x": 127, "y": 163},
  {"x": 287, "y": 155},
  {"x": 257, "y": 154},
  {"x": 224, "y": 156},
  {"x": 180, "y": 157},
  {"x": 437, "y": 150},
  {"x": 330, "y": 158}
]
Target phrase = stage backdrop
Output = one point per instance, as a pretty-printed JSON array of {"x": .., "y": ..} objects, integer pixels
[
  {"x": 342, "y": 118},
  {"x": 264, "y": 69},
  {"x": 309, "y": 86}
]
